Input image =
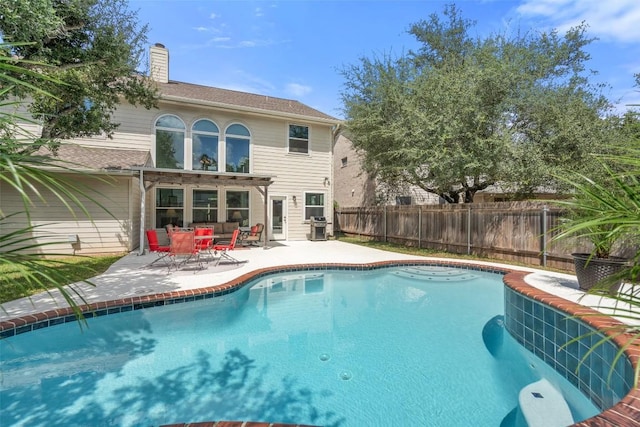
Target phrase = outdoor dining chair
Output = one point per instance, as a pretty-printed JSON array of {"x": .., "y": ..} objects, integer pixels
[
  {"x": 155, "y": 247},
  {"x": 253, "y": 236},
  {"x": 224, "y": 249},
  {"x": 204, "y": 240},
  {"x": 183, "y": 249}
]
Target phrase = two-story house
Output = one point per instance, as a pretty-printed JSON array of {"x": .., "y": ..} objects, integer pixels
[{"x": 204, "y": 155}]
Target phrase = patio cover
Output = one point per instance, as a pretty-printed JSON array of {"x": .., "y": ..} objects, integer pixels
[{"x": 149, "y": 177}]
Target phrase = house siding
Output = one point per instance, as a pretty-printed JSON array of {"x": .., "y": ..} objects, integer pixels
[
  {"x": 267, "y": 119},
  {"x": 100, "y": 232},
  {"x": 293, "y": 173}
]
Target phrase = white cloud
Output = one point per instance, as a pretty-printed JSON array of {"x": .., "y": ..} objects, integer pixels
[
  {"x": 259, "y": 11},
  {"x": 616, "y": 20},
  {"x": 213, "y": 15},
  {"x": 297, "y": 90}
]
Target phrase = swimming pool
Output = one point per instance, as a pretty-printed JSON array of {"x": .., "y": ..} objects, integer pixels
[{"x": 346, "y": 348}]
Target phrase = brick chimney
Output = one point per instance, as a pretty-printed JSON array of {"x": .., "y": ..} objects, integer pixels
[{"x": 159, "y": 61}]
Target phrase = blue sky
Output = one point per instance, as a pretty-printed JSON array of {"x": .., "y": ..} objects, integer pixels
[{"x": 295, "y": 49}]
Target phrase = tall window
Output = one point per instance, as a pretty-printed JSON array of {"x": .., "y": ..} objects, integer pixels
[
  {"x": 298, "y": 139},
  {"x": 238, "y": 207},
  {"x": 237, "y": 140},
  {"x": 170, "y": 143},
  {"x": 169, "y": 207},
  {"x": 205, "y": 145},
  {"x": 313, "y": 205},
  {"x": 205, "y": 206}
]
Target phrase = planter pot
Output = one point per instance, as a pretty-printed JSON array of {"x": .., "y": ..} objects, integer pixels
[{"x": 591, "y": 271}]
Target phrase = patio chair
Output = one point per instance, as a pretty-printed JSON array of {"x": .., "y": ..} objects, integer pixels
[
  {"x": 225, "y": 248},
  {"x": 252, "y": 237},
  {"x": 183, "y": 249},
  {"x": 154, "y": 247},
  {"x": 204, "y": 240}
]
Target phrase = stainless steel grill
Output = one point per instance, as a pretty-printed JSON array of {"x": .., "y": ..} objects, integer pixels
[{"x": 318, "y": 228}]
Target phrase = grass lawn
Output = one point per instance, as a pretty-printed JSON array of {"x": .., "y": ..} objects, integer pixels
[
  {"x": 393, "y": 247},
  {"x": 14, "y": 285}
]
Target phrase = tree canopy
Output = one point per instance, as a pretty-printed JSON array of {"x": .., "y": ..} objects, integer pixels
[
  {"x": 460, "y": 114},
  {"x": 94, "y": 47}
]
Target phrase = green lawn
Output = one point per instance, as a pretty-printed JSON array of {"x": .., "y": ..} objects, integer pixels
[
  {"x": 392, "y": 247},
  {"x": 13, "y": 285}
]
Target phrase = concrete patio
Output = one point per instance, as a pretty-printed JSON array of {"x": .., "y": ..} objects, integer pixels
[{"x": 131, "y": 275}]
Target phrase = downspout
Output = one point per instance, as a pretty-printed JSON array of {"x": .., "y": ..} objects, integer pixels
[{"x": 142, "y": 213}]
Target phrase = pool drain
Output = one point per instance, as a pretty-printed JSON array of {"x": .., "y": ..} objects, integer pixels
[
  {"x": 346, "y": 375},
  {"x": 324, "y": 357}
]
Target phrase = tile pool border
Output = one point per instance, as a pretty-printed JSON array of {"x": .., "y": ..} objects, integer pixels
[{"x": 626, "y": 412}]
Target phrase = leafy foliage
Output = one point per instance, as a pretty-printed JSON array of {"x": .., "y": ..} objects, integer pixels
[
  {"x": 93, "y": 46},
  {"x": 461, "y": 114},
  {"x": 30, "y": 176}
]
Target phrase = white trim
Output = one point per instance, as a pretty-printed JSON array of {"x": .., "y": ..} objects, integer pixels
[{"x": 305, "y": 220}]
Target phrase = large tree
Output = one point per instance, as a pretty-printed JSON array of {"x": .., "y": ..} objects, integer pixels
[
  {"x": 462, "y": 113},
  {"x": 94, "y": 47}
]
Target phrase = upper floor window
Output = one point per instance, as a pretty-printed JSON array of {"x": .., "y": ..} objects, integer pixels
[
  {"x": 170, "y": 132},
  {"x": 298, "y": 139},
  {"x": 237, "y": 144},
  {"x": 313, "y": 205},
  {"x": 205, "y": 135}
]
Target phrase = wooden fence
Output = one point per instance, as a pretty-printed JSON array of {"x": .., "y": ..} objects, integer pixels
[{"x": 515, "y": 231}]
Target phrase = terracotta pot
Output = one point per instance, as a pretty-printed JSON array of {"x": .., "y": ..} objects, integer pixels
[{"x": 590, "y": 270}]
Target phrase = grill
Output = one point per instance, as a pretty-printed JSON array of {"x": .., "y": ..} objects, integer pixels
[{"x": 318, "y": 228}]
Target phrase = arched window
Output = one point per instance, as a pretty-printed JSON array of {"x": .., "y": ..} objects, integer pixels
[
  {"x": 237, "y": 140},
  {"x": 205, "y": 145},
  {"x": 170, "y": 132}
]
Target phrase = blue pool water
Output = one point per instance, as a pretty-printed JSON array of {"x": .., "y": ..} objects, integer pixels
[{"x": 396, "y": 346}]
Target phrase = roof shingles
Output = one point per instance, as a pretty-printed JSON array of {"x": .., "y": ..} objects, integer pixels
[{"x": 240, "y": 99}]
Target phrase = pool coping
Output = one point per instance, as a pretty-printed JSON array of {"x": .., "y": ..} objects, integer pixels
[{"x": 626, "y": 412}]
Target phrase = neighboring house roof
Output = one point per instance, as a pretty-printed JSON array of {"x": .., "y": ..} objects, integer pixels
[
  {"x": 75, "y": 156},
  {"x": 192, "y": 93}
]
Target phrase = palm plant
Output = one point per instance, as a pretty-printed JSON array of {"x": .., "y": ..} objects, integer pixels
[
  {"x": 606, "y": 210},
  {"x": 30, "y": 176}
]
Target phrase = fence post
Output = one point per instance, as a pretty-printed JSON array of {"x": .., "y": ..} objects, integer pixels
[
  {"x": 385, "y": 223},
  {"x": 545, "y": 209},
  {"x": 469, "y": 230},
  {"x": 420, "y": 227}
]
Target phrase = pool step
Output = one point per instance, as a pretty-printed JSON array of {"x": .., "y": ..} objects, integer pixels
[
  {"x": 544, "y": 406},
  {"x": 435, "y": 273}
]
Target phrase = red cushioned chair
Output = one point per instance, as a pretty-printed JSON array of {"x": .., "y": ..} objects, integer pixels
[
  {"x": 183, "y": 249},
  {"x": 224, "y": 249},
  {"x": 204, "y": 240},
  {"x": 154, "y": 247}
]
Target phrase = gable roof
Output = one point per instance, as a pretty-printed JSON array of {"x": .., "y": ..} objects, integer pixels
[{"x": 232, "y": 99}]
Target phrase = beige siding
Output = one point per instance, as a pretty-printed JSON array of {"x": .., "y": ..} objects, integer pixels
[
  {"x": 294, "y": 174},
  {"x": 97, "y": 233}
]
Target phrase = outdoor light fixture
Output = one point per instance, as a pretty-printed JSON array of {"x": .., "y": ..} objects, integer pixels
[{"x": 294, "y": 199}]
